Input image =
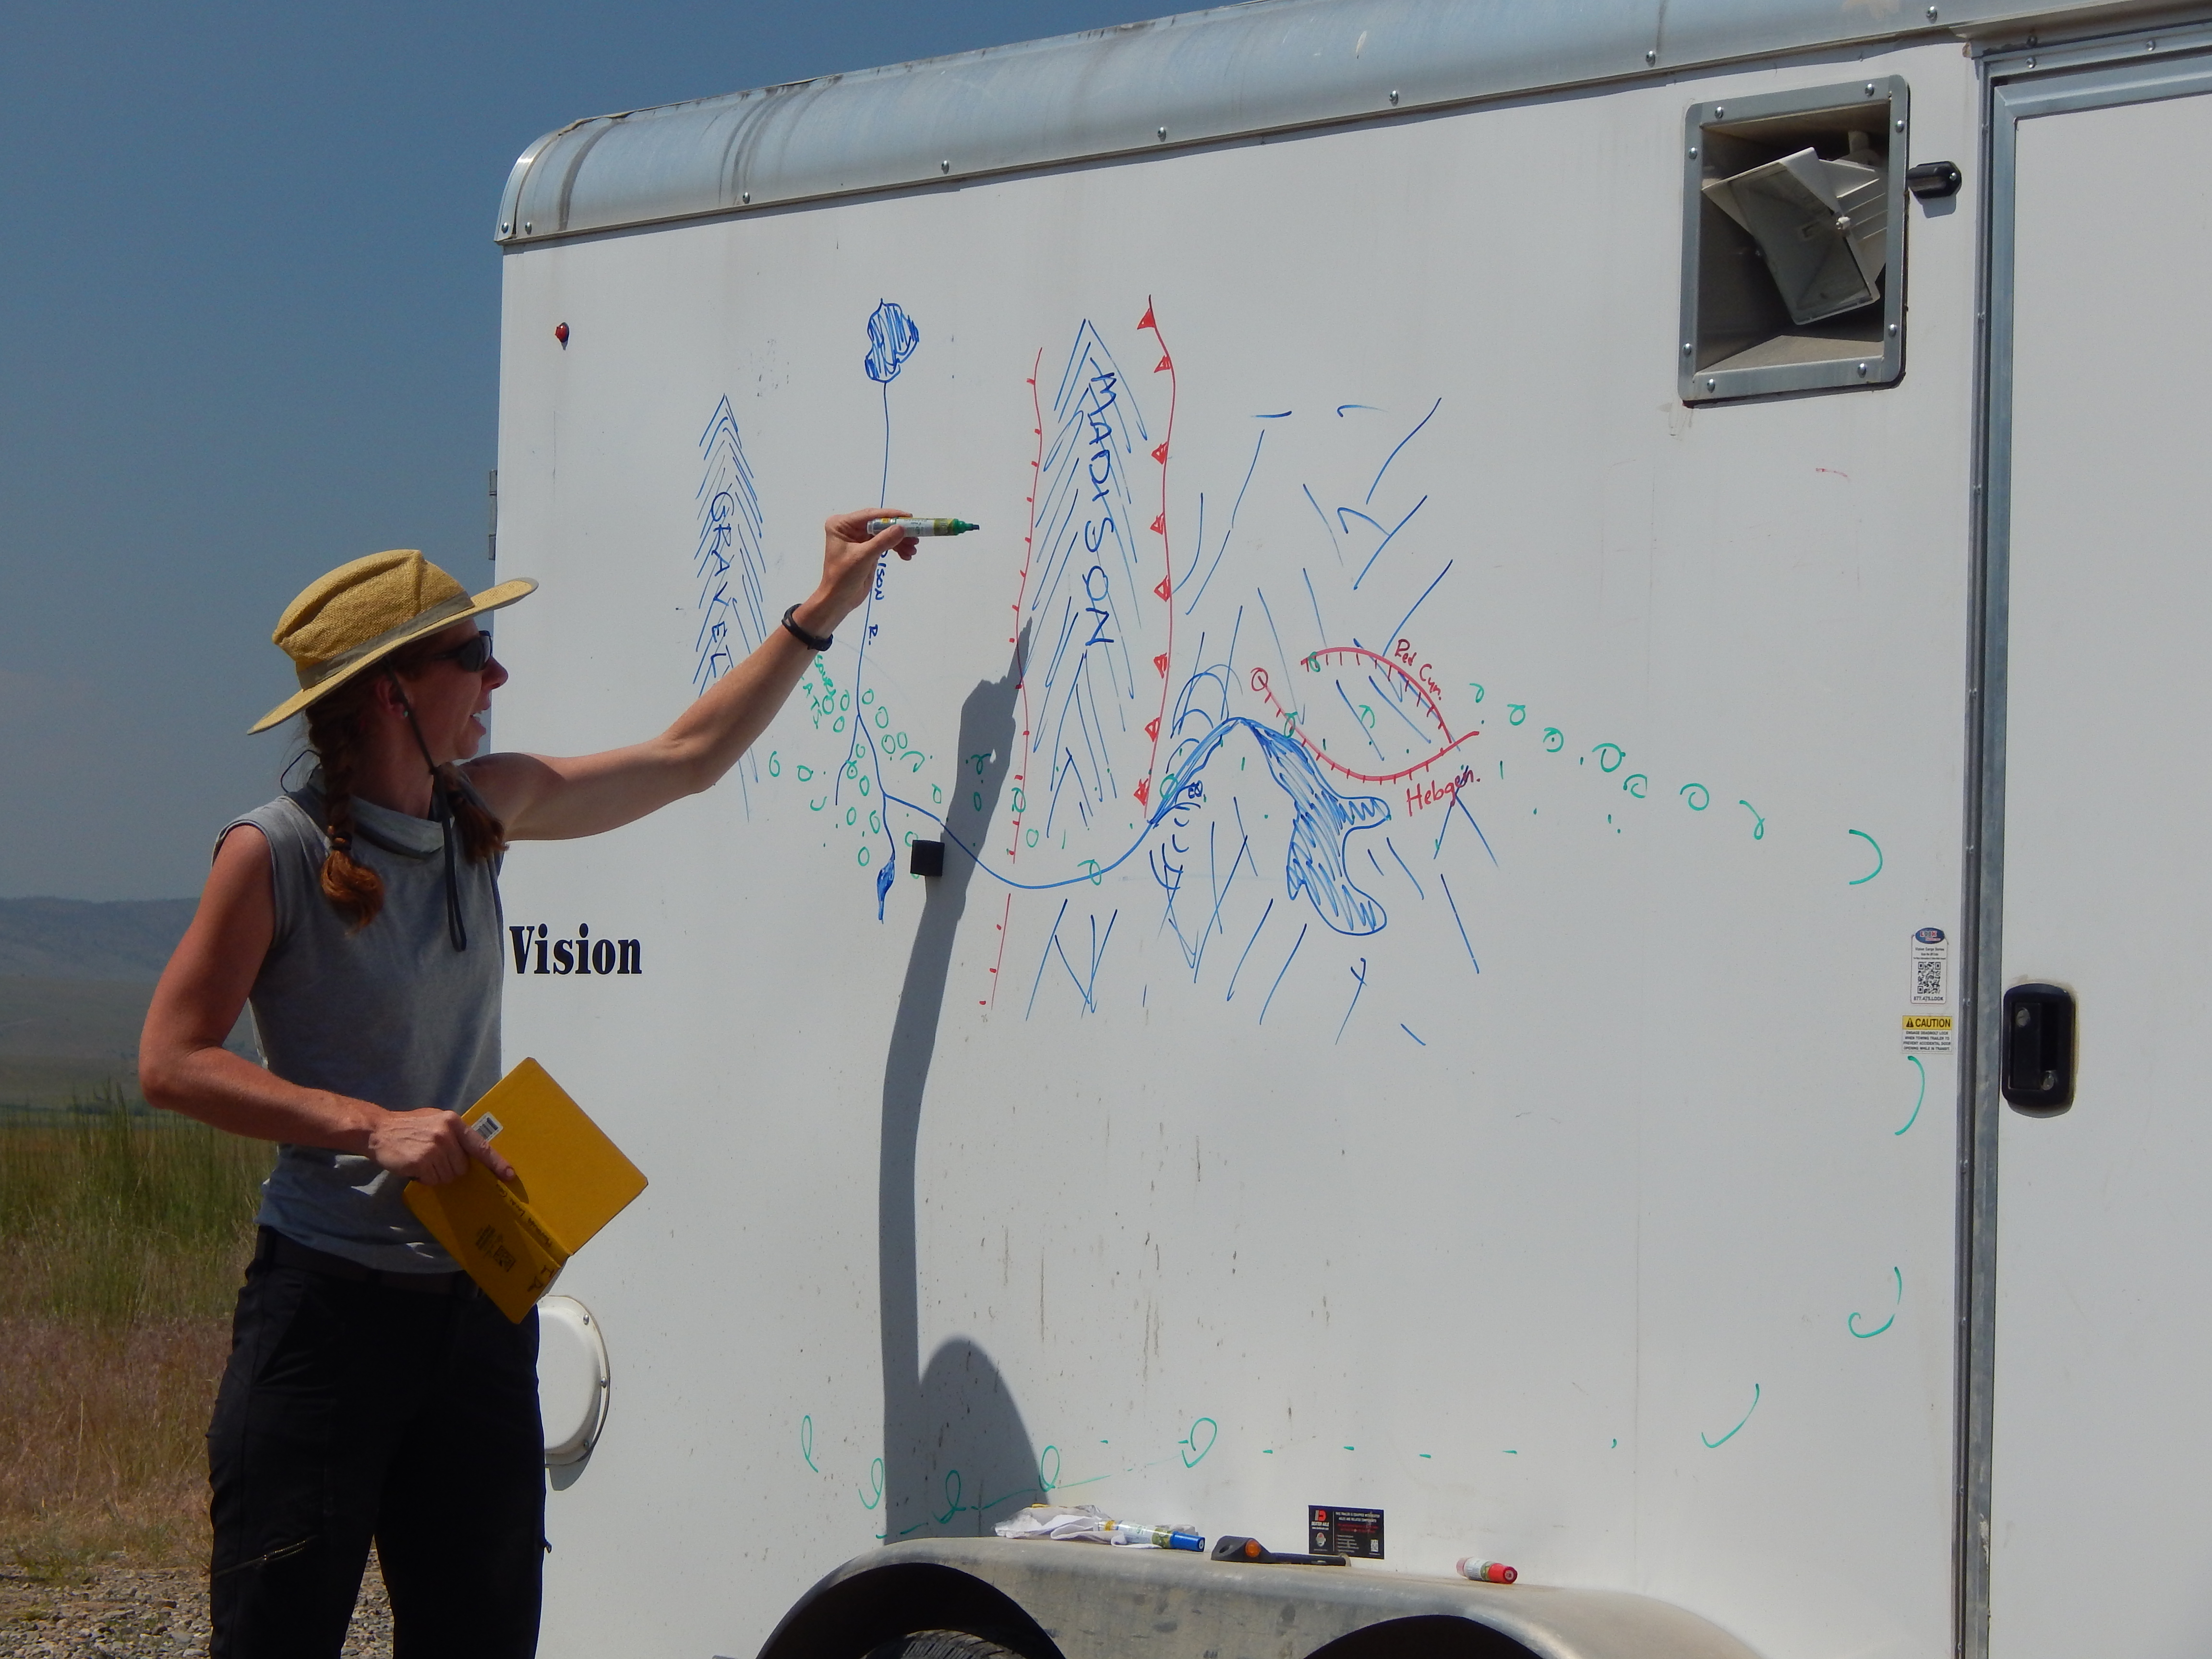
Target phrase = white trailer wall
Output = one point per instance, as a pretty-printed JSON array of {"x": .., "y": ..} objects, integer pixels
[{"x": 1551, "y": 1179}]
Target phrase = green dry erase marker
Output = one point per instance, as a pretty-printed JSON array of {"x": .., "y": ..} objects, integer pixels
[{"x": 922, "y": 527}]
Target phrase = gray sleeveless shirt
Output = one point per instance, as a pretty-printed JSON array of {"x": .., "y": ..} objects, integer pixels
[{"x": 392, "y": 1014}]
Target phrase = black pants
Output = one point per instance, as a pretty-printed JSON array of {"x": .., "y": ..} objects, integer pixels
[{"x": 351, "y": 1411}]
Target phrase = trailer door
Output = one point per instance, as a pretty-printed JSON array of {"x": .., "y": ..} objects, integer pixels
[{"x": 2100, "y": 1519}]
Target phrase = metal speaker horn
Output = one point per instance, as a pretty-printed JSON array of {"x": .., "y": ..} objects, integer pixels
[{"x": 1822, "y": 226}]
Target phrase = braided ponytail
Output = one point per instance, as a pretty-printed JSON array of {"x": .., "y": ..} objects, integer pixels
[
  {"x": 482, "y": 835},
  {"x": 334, "y": 732}
]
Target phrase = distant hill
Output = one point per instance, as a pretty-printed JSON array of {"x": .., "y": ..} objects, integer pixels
[
  {"x": 80, "y": 940},
  {"x": 75, "y": 980}
]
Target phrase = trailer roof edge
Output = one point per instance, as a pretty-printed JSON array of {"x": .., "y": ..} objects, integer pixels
[{"x": 1235, "y": 72}]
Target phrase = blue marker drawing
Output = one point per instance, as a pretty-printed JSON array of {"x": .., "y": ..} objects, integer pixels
[
  {"x": 1325, "y": 525},
  {"x": 1459, "y": 805},
  {"x": 1279, "y": 972},
  {"x": 1236, "y": 507},
  {"x": 1388, "y": 535},
  {"x": 1454, "y": 902},
  {"x": 1401, "y": 865},
  {"x": 1218, "y": 808},
  {"x": 1231, "y": 992},
  {"x": 728, "y": 557},
  {"x": 1358, "y": 984},
  {"x": 1084, "y": 979},
  {"x": 1241, "y": 803},
  {"x": 1097, "y": 630},
  {"x": 892, "y": 337},
  {"x": 729, "y": 565},
  {"x": 1418, "y": 603},
  {"x": 1402, "y": 442}
]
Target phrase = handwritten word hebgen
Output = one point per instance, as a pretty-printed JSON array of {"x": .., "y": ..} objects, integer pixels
[{"x": 1428, "y": 794}]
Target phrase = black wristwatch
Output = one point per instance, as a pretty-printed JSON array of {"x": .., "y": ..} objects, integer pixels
[{"x": 811, "y": 641}]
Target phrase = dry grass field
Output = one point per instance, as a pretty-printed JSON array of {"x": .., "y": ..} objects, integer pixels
[{"x": 122, "y": 1238}]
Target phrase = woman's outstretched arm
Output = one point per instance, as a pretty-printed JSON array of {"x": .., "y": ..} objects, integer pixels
[{"x": 554, "y": 798}]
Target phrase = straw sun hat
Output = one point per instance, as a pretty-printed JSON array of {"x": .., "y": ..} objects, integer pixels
[{"x": 361, "y": 612}]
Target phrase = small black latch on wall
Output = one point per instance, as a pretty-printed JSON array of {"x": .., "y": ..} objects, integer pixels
[
  {"x": 1930, "y": 181},
  {"x": 2038, "y": 1047},
  {"x": 928, "y": 858}
]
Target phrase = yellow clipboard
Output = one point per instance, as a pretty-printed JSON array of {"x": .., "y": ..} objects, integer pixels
[{"x": 514, "y": 1237}]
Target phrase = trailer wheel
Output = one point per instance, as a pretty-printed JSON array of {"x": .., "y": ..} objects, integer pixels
[{"x": 943, "y": 1645}]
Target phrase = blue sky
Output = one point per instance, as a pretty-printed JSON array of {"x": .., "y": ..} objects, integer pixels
[{"x": 249, "y": 330}]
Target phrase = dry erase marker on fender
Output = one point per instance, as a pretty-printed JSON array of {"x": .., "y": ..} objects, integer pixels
[
  {"x": 1486, "y": 1573},
  {"x": 1165, "y": 1538},
  {"x": 922, "y": 527}
]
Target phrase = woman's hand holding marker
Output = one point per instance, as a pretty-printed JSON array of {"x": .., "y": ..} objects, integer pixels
[
  {"x": 924, "y": 526},
  {"x": 852, "y": 544}
]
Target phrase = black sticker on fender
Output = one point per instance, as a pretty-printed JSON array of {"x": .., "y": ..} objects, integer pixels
[{"x": 1354, "y": 1534}]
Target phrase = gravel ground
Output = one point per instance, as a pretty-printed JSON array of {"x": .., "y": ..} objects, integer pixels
[{"x": 138, "y": 1613}]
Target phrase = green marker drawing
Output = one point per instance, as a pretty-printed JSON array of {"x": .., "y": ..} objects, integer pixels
[
  {"x": 1715, "y": 1445},
  {"x": 1918, "y": 1103},
  {"x": 1195, "y": 1447},
  {"x": 1851, "y": 1324},
  {"x": 806, "y": 1442},
  {"x": 1758, "y": 833},
  {"x": 922, "y": 527},
  {"x": 1878, "y": 860}
]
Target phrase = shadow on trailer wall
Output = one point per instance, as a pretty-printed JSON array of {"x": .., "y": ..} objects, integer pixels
[{"x": 959, "y": 1412}]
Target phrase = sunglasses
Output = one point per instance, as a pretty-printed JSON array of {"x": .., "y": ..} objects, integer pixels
[{"x": 469, "y": 657}]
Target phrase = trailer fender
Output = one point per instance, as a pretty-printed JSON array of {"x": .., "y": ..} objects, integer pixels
[{"x": 1050, "y": 1601}]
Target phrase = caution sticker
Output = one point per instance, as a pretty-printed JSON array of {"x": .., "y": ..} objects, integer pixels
[{"x": 1927, "y": 1034}]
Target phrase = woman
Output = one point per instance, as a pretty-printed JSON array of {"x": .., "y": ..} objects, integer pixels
[{"x": 371, "y": 1393}]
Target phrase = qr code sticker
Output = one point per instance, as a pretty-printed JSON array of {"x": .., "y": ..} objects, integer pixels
[{"x": 1928, "y": 979}]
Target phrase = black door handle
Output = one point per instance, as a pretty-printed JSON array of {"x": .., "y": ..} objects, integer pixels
[{"x": 2038, "y": 1047}]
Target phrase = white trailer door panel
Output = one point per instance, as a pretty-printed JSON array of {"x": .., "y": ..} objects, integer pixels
[{"x": 2102, "y": 1454}]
